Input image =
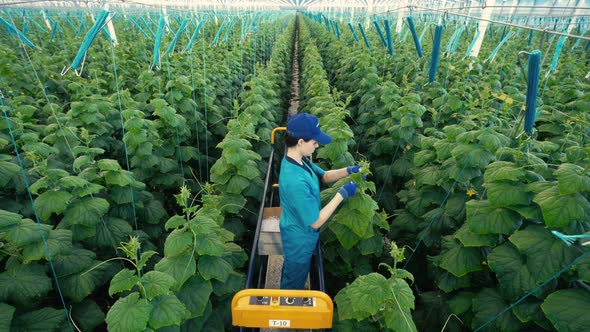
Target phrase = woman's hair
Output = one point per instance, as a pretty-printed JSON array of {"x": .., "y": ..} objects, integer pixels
[{"x": 291, "y": 141}]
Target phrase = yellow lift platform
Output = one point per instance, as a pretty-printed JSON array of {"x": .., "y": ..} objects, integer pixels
[
  {"x": 262, "y": 305},
  {"x": 282, "y": 308}
]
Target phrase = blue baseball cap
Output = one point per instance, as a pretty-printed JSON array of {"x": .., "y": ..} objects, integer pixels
[{"x": 307, "y": 126}]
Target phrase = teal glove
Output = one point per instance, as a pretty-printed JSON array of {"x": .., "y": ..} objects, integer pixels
[
  {"x": 353, "y": 169},
  {"x": 348, "y": 190}
]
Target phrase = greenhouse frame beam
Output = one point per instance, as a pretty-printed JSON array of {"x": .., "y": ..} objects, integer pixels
[
  {"x": 505, "y": 23},
  {"x": 517, "y": 6}
]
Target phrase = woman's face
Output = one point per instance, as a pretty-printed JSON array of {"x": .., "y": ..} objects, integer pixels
[{"x": 307, "y": 148}]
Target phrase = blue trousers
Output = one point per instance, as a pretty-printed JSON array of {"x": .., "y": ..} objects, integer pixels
[{"x": 298, "y": 248}]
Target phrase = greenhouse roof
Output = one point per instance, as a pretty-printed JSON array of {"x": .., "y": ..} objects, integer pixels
[{"x": 512, "y": 7}]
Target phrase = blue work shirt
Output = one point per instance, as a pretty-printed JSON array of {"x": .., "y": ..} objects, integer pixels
[{"x": 299, "y": 191}]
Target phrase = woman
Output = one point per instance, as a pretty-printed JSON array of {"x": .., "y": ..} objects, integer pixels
[{"x": 299, "y": 189}]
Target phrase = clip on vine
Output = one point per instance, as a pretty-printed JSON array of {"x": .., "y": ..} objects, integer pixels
[{"x": 570, "y": 239}]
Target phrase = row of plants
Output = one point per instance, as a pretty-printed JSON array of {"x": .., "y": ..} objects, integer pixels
[
  {"x": 201, "y": 268},
  {"x": 105, "y": 154},
  {"x": 353, "y": 242},
  {"x": 473, "y": 196}
]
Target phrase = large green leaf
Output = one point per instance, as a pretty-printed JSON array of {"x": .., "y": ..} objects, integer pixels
[
  {"x": 572, "y": 179},
  {"x": 483, "y": 218},
  {"x": 129, "y": 314},
  {"x": 470, "y": 239},
  {"x": 430, "y": 175},
  {"x": 364, "y": 204},
  {"x": 583, "y": 268},
  {"x": 112, "y": 232},
  {"x": 545, "y": 254},
  {"x": 568, "y": 310},
  {"x": 195, "y": 294},
  {"x": 175, "y": 221},
  {"x": 153, "y": 212},
  {"x": 86, "y": 212},
  {"x": 424, "y": 157},
  {"x": 124, "y": 280},
  {"x": 197, "y": 324},
  {"x": 232, "y": 203},
  {"x": 471, "y": 155},
  {"x": 529, "y": 310},
  {"x": 209, "y": 244},
  {"x": 443, "y": 150},
  {"x": 27, "y": 232},
  {"x": 354, "y": 220},
  {"x": 88, "y": 190},
  {"x": 236, "y": 157},
  {"x": 249, "y": 170},
  {"x": 212, "y": 267},
  {"x": 237, "y": 184},
  {"x": 561, "y": 210},
  {"x": 507, "y": 194},
  {"x": 345, "y": 235},
  {"x": 457, "y": 259},
  {"x": 503, "y": 171},
  {"x": 181, "y": 267},
  {"x": 73, "y": 182},
  {"x": 118, "y": 178},
  {"x": 461, "y": 302},
  {"x": 87, "y": 315},
  {"x": 398, "y": 316},
  {"x": 24, "y": 283},
  {"x": 6, "y": 312},
  {"x": 58, "y": 241},
  {"x": 203, "y": 223},
  {"x": 156, "y": 283},
  {"x": 372, "y": 245},
  {"x": 82, "y": 161},
  {"x": 364, "y": 297},
  {"x": 234, "y": 254},
  {"x": 8, "y": 171},
  {"x": 79, "y": 285},
  {"x": 447, "y": 282},
  {"x": 8, "y": 220},
  {"x": 177, "y": 242},
  {"x": 220, "y": 172},
  {"x": 108, "y": 165},
  {"x": 75, "y": 261},
  {"x": 167, "y": 310},
  {"x": 52, "y": 202},
  {"x": 455, "y": 206},
  {"x": 402, "y": 294},
  {"x": 514, "y": 274},
  {"x": 486, "y": 305},
  {"x": 121, "y": 195},
  {"x": 531, "y": 212},
  {"x": 45, "y": 319},
  {"x": 234, "y": 282}
]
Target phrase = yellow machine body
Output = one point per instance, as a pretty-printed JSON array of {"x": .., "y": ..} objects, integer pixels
[{"x": 282, "y": 308}]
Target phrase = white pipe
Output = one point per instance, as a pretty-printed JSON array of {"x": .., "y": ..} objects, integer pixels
[
  {"x": 486, "y": 14},
  {"x": 46, "y": 20},
  {"x": 111, "y": 29},
  {"x": 400, "y": 19},
  {"x": 166, "y": 19}
]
